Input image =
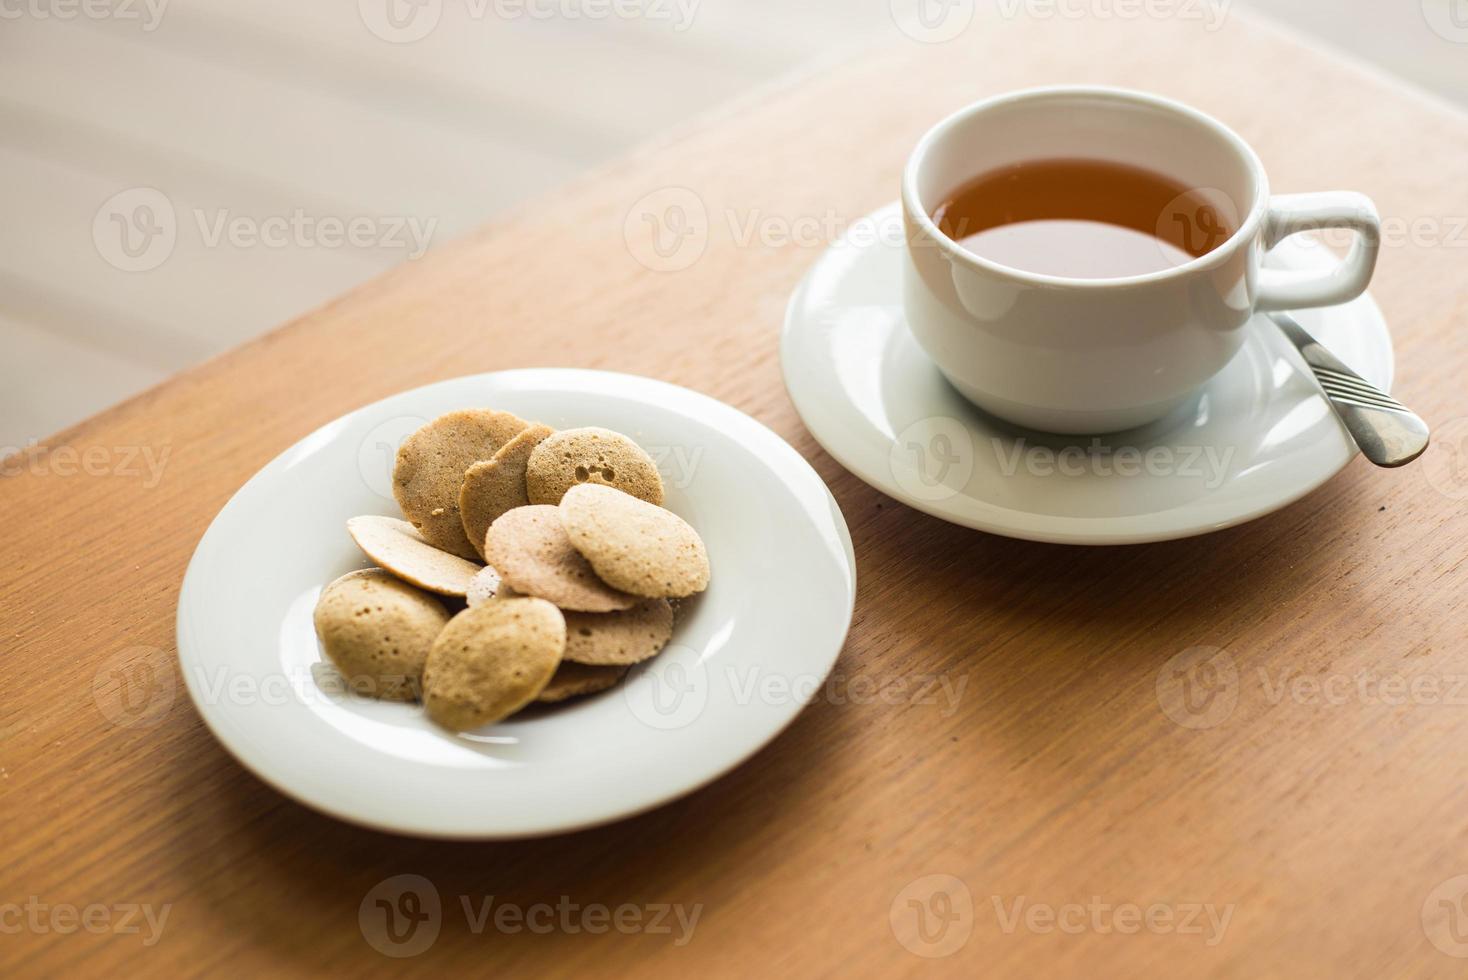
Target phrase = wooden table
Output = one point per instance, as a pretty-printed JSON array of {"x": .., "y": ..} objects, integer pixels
[{"x": 1323, "y": 816}]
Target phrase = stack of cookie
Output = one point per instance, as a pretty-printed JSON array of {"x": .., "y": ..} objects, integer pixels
[{"x": 582, "y": 562}]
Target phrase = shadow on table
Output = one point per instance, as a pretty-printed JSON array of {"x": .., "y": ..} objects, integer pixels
[{"x": 248, "y": 842}]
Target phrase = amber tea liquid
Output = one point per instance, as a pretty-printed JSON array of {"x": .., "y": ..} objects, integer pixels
[{"x": 1081, "y": 219}]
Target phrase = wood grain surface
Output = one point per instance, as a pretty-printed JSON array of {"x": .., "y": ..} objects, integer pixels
[{"x": 1320, "y": 819}]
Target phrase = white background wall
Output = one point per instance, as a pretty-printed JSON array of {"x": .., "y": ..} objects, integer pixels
[{"x": 236, "y": 111}]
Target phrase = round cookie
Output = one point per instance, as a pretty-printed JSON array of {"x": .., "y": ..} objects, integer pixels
[
  {"x": 573, "y": 680},
  {"x": 484, "y": 586},
  {"x": 430, "y": 469},
  {"x": 619, "y": 638},
  {"x": 591, "y": 455},
  {"x": 398, "y": 547},
  {"x": 530, "y": 549},
  {"x": 492, "y": 660},
  {"x": 378, "y": 630},
  {"x": 493, "y": 486},
  {"x": 634, "y": 546}
]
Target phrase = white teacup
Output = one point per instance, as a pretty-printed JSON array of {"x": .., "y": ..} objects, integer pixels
[{"x": 1099, "y": 355}]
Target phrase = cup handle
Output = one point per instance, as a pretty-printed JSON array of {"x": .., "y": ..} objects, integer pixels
[{"x": 1290, "y": 214}]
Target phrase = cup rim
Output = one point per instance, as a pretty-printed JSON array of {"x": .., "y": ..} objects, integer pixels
[{"x": 1246, "y": 231}]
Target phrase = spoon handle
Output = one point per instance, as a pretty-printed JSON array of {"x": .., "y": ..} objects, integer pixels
[{"x": 1388, "y": 433}]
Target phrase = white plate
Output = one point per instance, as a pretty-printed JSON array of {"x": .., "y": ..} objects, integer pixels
[
  {"x": 1259, "y": 436},
  {"x": 744, "y": 657}
]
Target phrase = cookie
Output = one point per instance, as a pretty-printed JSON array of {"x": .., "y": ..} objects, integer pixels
[
  {"x": 619, "y": 638},
  {"x": 430, "y": 469},
  {"x": 378, "y": 630},
  {"x": 484, "y": 586},
  {"x": 492, "y": 660},
  {"x": 634, "y": 546},
  {"x": 399, "y": 548},
  {"x": 530, "y": 549},
  {"x": 573, "y": 680},
  {"x": 493, "y": 486},
  {"x": 591, "y": 455}
]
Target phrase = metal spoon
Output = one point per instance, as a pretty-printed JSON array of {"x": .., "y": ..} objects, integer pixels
[{"x": 1387, "y": 432}]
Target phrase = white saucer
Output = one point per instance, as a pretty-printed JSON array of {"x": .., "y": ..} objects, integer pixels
[
  {"x": 745, "y": 656},
  {"x": 1259, "y": 436}
]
